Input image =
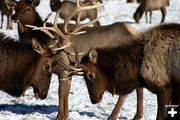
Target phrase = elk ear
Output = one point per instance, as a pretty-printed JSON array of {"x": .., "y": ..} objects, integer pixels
[
  {"x": 93, "y": 55},
  {"x": 41, "y": 49},
  {"x": 35, "y": 3}
]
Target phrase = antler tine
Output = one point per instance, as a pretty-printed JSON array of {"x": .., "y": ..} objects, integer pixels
[
  {"x": 56, "y": 27},
  {"x": 63, "y": 47},
  {"x": 47, "y": 17},
  {"x": 77, "y": 9},
  {"x": 75, "y": 32},
  {"x": 68, "y": 67},
  {"x": 45, "y": 30}
]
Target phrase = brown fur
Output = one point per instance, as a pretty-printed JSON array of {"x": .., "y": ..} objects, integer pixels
[
  {"x": 28, "y": 70},
  {"x": 150, "y": 5}
]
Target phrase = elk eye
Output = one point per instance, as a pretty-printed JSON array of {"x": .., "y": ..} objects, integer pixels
[
  {"x": 91, "y": 75},
  {"x": 47, "y": 67}
]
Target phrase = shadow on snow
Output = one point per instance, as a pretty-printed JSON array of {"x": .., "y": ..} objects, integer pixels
[{"x": 27, "y": 109}]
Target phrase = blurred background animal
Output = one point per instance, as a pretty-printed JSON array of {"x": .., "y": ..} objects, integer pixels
[{"x": 6, "y": 8}]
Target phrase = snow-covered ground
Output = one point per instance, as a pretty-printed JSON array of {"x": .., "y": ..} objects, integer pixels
[{"x": 28, "y": 108}]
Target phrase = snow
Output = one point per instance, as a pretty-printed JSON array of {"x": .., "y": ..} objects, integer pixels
[{"x": 29, "y": 108}]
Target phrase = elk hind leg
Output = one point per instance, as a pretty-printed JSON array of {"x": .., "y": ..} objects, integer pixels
[{"x": 164, "y": 98}]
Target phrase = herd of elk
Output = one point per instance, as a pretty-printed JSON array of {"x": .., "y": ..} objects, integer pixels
[
  {"x": 30, "y": 69},
  {"x": 99, "y": 36},
  {"x": 148, "y": 6},
  {"x": 147, "y": 62},
  {"x": 128, "y": 69},
  {"x": 6, "y": 8}
]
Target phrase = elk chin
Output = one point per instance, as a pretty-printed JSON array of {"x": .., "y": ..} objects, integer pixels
[
  {"x": 97, "y": 98},
  {"x": 39, "y": 94}
]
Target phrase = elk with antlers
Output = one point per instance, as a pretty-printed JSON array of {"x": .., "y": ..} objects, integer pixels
[{"x": 99, "y": 36}]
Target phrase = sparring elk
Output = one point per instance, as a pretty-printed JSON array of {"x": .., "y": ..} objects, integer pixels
[
  {"x": 148, "y": 6},
  {"x": 6, "y": 8},
  {"x": 152, "y": 62},
  {"x": 100, "y": 36},
  {"x": 30, "y": 69},
  {"x": 68, "y": 6}
]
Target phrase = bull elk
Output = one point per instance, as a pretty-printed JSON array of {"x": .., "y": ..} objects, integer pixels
[
  {"x": 30, "y": 69},
  {"x": 148, "y": 6},
  {"x": 152, "y": 62},
  {"x": 68, "y": 6},
  {"x": 99, "y": 36},
  {"x": 6, "y": 8}
]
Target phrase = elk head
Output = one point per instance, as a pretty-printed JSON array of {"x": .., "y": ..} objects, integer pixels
[
  {"x": 41, "y": 71},
  {"x": 25, "y": 11},
  {"x": 96, "y": 80}
]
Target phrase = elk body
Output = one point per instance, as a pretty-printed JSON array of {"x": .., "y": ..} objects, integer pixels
[
  {"x": 6, "y": 8},
  {"x": 99, "y": 36},
  {"x": 152, "y": 62},
  {"x": 68, "y": 6},
  {"x": 115, "y": 70},
  {"x": 30, "y": 68},
  {"x": 148, "y": 6}
]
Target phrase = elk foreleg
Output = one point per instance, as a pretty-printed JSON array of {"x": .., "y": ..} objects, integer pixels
[
  {"x": 140, "y": 108},
  {"x": 146, "y": 16},
  {"x": 64, "y": 88},
  {"x": 2, "y": 15},
  {"x": 150, "y": 16},
  {"x": 117, "y": 108},
  {"x": 9, "y": 22}
]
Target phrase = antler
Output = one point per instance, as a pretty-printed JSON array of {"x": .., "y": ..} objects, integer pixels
[
  {"x": 77, "y": 10},
  {"x": 66, "y": 40}
]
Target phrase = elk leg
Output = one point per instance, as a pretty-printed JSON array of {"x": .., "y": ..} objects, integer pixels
[
  {"x": 146, "y": 16},
  {"x": 117, "y": 108},
  {"x": 150, "y": 17},
  {"x": 139, "y": 111},
  {"x": 10, "y": 22},
  {"x": 163, "y": 98},
  {"x": 176, "y": 95},
  {"x": 163, "y": 11},
  {"x": 64, "y": 88},
  {"x": 2, "y": 20}
]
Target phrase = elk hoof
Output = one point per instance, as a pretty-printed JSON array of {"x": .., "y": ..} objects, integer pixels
[
  {"x": 62, "y": 117},
  {"x": 112, "y": 117},
  {"x": 137, "y": 117}
]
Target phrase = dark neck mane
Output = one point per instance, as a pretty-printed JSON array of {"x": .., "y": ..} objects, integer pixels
[
  {"x": 122, "y": 66},
  {"x": 15, "y": 59}
]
